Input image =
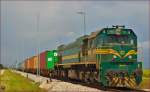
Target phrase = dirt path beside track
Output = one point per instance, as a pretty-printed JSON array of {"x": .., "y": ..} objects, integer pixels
[
  {"x": 2, "y": 71},
  {"x": 57, "y": 85}
]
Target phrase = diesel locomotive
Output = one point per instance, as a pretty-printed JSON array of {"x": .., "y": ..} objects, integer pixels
[{"x": 107, "y": 57}]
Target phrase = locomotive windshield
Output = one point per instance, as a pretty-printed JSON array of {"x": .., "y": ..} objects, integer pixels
[{"x": 120, "y": 39}]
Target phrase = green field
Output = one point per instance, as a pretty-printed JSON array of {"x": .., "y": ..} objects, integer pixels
[
  {"x": 14, "y": 82},
  {"x": 146, "y": 73},
  {"x": 146, "y": 79}
]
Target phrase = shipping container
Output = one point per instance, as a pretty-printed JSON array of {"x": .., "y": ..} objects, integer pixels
[
  {"x": 29, "y": 64},
  {"x": 52, "y": 59},
  {"x": 31, "y": 60},
  {"x": 48, "y": 59},
  {"x": 23, "y": 66},
  {"x": 35, "y": 62},
  {"x": 26, "y": 64},
  {"x": 42, "y": 58}
]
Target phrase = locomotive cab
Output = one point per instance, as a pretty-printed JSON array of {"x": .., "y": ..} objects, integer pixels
[{"x": 117, "y": 57}]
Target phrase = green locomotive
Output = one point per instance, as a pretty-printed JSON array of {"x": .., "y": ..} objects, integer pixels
[{"x": 107, "y": 56}]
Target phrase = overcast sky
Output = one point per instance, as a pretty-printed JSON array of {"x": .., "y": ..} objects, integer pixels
[{"x": 59, "y": 23}]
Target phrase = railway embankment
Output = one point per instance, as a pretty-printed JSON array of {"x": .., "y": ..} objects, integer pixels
[
  {"x": 146, "y": 80},
  {"x": 57, "y": 85},
  {"x": 14, "y": 82},
  {"x": 60, "y": 86}
]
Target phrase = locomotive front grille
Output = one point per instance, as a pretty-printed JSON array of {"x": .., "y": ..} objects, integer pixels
[{"x": 120, "y": 78}]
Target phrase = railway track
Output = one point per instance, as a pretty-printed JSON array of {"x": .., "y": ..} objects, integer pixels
[
  {"x": 109, "y": 89},
  {"x": 124, "y": 90}
]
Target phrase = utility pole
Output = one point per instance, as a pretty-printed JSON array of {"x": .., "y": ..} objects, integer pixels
[
  {"x": 38, "y": 42},
  {"x": 84, "y": 20},
  {"x": 84, "y": 27}
]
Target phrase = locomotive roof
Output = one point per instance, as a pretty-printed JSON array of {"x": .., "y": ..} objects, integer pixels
[
  {"x": 92, "y": 35},
  {"x": 77, "y": 42}
]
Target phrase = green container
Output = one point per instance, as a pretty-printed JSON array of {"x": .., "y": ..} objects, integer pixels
[{"x": 52, "y": 59}]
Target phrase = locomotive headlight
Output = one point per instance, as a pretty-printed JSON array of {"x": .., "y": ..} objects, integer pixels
[
  {"x": 114, "y": 56},
  {"x": 130, "y": 56}
]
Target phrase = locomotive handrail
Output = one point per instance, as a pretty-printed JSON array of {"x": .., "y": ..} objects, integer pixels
[
  {"x": 111, "y": 46},
  {"x": 77, "y": 63},
  {"x": 118, "y": 44}
]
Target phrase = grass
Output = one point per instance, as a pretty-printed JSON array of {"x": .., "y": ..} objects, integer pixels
[
  {"x": 146, "y": 79},
  {"x": 146, "y": 73},
  {"x": 14, "y": 82}
]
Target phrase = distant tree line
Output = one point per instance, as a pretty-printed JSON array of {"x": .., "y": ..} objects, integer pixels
[{"x": 1, "y": 66}]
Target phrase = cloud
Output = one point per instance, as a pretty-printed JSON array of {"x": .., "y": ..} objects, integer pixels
[
  {"x": 59, "y": 23},
  {"x": 143, "y": 53},
  {"x": 145, "y": 44}
]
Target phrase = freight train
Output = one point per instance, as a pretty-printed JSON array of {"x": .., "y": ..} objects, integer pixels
[{"x": 107, "y": 57}]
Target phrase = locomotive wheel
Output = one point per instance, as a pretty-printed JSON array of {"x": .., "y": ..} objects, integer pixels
[
  {"x": 81, "y": 75},
  {"x": 96, "y": 76},
  {"x": 86, "y": 78},
  {"x": 92, "y": 80}
]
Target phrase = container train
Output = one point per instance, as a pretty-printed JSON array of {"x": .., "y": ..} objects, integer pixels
[{"x": 107, "y": 57}]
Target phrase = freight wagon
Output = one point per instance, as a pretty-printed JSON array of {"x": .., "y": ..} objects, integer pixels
[
  {"x": 26, "y": 63},
  {"x": 47, "y": 61},
  {"x": 33, "y": 64},
  {"x": 35, "y": 61},
  {"x": 44, "y": 62}
]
